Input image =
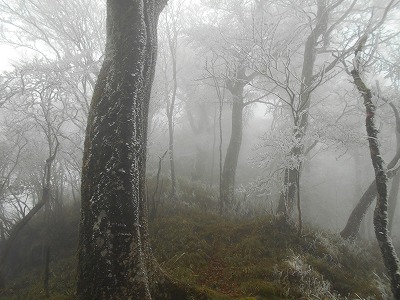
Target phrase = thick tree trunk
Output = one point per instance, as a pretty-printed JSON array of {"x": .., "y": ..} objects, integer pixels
[
  {"x": 114, "y": 257},
  {"x": 389, "y": 255},
  {"x": 232, "y": 153}
]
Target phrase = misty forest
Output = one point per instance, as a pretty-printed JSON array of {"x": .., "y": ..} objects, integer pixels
[{"x": 199, "y": 149}]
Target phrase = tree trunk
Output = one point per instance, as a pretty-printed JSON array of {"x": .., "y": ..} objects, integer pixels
[
  {"x": 394, "y": 191},
  {"x": 172, "y": 43},
  {"x": 114, "y": 256},
  {"x": 389, "y": 255},
  {"x": 14, "y": 234},
  {"x": 114, "y": 259},
  {"x": 46, "y": 269},
  {"x": 300, "y": 224},
  {"x": 171, "y": 155},
  {"x": 154, "y": 202},
  {"x": 352, "y": 227},
  {"x": 288, "y": 195},
  {"x": 232, "y": 153},
  {"x": 393, "y": 199},
  {"x": 46, "y": 195},
  {"x": 288, "y": 192}
]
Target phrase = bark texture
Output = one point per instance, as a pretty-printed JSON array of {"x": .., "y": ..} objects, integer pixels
[
  {"x": 394, "y": 190},
  {"x": 353, "y": 224},
  {"x": 389, "y": 255},
  {"x": 392, "y": 201},
  {"x": 114, "y": 257}
]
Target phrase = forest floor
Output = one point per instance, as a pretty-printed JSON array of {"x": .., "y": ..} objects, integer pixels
[{"x": 227, "y": 258}]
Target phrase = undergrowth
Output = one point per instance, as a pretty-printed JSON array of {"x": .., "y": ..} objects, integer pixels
[
  {"x": 258, "y": 258},
  {"x": 225, "y": 258}
]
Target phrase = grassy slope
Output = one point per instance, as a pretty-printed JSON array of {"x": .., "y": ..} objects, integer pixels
[
  {"x": 236, "y": 259},
  {"x": 260, "y": 258}
]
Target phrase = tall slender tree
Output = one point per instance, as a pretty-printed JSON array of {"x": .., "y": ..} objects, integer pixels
[
  {"x": 352, "y": 228},
  {"x": 390, "y": 258},
  {"x": 300, "y": 102},
  {"x": 236, "y": 85},
  {"x": 172, "y": 30}
]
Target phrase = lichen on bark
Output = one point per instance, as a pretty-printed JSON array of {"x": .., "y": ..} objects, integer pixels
[{"x": 114, "y": 256}]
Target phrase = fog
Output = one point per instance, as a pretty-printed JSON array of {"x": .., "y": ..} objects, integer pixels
[{"x": 253, "y": 109}]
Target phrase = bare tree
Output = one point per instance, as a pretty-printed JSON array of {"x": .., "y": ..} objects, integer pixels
[
  {"x": 381, "y": 35},
  {"x": 228, "y": 67},
  {"x": 18, "y": 225},
  {"x": 389, "y": 255},
  {"x": 295, "y": 89},
  {"x": 352, "y": 228},
  {"x": 35, "y": 102},
  {"x": 172, "y": 29},
  {"x": 394, "y": 190}
]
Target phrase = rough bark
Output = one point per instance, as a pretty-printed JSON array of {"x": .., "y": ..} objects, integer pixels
[
  {"x": 394, "y": 191},
  {"x": 392, "y": 201},
  {"x": 114, "y": 258},
  {"x": 114, "y": 255},
  {"x": 352, "y": 228},
  {"x": 388, "y": 252}
]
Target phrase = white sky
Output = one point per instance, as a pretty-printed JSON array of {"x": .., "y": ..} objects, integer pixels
[{"x": 7, "y": 54}]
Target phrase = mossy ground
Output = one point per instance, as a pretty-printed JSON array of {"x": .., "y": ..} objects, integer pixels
[
  {"x": 261, "y": 259},
  {"x": 213, "y": 257},
  {"x": 232, "y": 258}
]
